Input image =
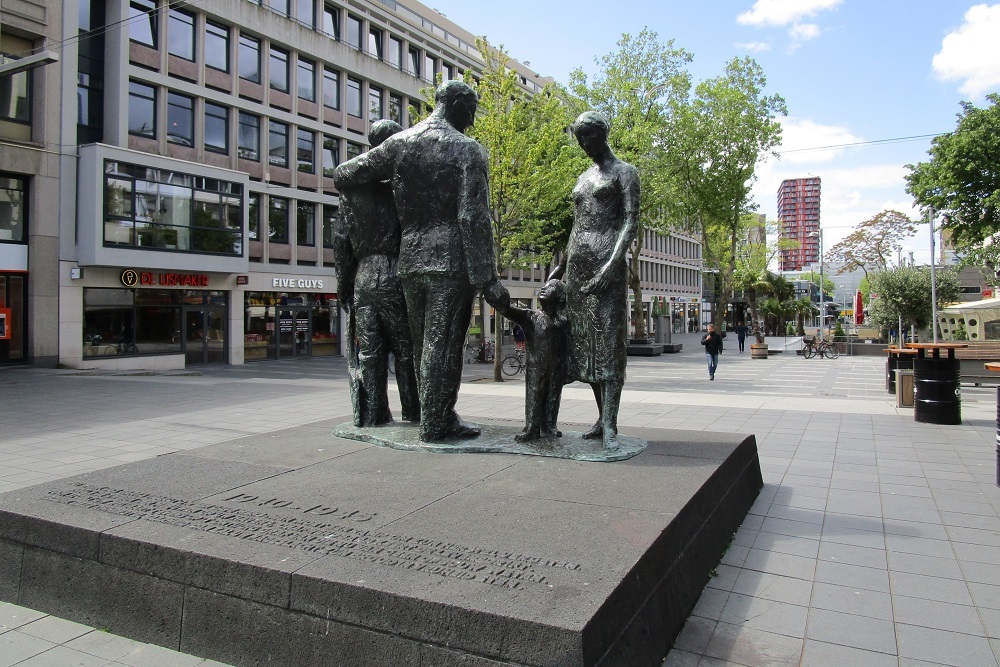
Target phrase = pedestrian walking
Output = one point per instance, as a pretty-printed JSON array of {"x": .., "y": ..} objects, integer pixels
[
  {"x": 713, "y": 348},
  {"x": 741, "y": 335}
]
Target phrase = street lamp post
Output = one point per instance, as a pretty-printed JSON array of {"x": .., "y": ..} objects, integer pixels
[{"x": 822, "y": 301}]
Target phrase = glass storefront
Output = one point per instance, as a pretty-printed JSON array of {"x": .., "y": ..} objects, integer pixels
[
  {"x": 279, "y": 325},
  {"x": 685, "y": 317},
  {"x": 13, "y": 298},
  {"x": 152, "y": 321}
]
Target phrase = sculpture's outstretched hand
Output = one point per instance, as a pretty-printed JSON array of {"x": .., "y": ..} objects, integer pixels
[{"x": 497, "y": 295}]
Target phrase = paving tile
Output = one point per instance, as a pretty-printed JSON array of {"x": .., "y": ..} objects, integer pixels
[
  {"x": 796, "y": 546},
  {"x": 940, "y": 646},
  {"x": 773, "y": 587},
  {"x": 754, "y": 648},
  {"x": 55, "y": 630},
  {"x": 916, "y": 564},
  {"x": 775, "y": 562},
  {"x": 991, "y": 622},
  {"x": 695, "y": 634},
  {"x": 929, "y": 588},
  {"x": 919, "y": 545},
  {"x": 60, "y": 656},
  {"x": 850, "y": 554},
  {"x": 104, "y": 644},
  {"x": 985, "y": 595},
  {"x": 16, "y": 647},
  {"x": 870, "y": 634},
  {"x": 853, "y": 576},
  {"x": 851, "y": 600},
  {"x": 767, "y": 615},
  {"x": 823, "y": 653},
  {"x": 680, "y": 658},
  {"x": 14, "y": 616},
  {"x": 936, "y": 614}
]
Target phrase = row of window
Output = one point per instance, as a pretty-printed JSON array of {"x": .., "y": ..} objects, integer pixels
[
  {"x": 665, "y": 274},
  {"x": 279, "y": 216},
  {"x": 142, "y": 122}
]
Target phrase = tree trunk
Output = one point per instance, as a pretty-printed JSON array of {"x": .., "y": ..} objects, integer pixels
[{"x": 755, "y": 330}]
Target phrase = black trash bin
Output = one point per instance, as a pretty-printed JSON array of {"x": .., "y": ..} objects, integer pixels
[
  {"x": 937, "y": 392},
  {"x": 890, "y": 370}
]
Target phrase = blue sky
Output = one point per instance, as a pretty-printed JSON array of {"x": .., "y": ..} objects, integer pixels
[{"x": 850, "y": 71}]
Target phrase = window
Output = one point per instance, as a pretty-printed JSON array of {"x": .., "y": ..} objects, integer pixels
[
  {"x": 90, "y": 106},
  {"x": 330, "y": 215},
  {"x": 307, "y": 79},
  {"x": 307, "y": 13},
  {"x": 305, "y": 155},
  {"x": 305, "y": 228},
  {"x": 180, "y": 34},
  {"x": 217, "y": 46},
  {"x": 180, "y": 119},
  {"x": 331, "y": 21},
  {"x": 15, "y": 94},
  {"x": 354, "y": 32},
  {"x": 248, "y": 142},
  {"x": 141, "y": 109},
  {"x": 353, "y": 150},
  {"x": 430, "y": 68},
  {"x": 354, "y": 97},
  {"x": 331, "y": 88},
  {"x": 13, "y": 210},
  {"x": 163, "y": 209},
  {"x": 277, "y": 220},
  {"x": 449, "y": 72},
  {"x": 216, "y": 128},
  {"x": 253, "y": 204},
  {"x": 414, "y": 64},
  {"x": 374, "y": 104},
  {"x": 396, "y": 108},
  {"x": 395, "y": 52},
  {"x": 280, "y": 6},
  {"x": 375, "y": 42},
  {"x": 277, "y": 144},
  {"x": 331, "y": 154},
  {"x": 412, "y": 111},
  {"x": 143, "y": 22},
  {"x": 250, "y": 58},
  {"x": 279, "y": 70}
]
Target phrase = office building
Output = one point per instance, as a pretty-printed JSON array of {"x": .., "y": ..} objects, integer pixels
[{"x": 799, "y": 218}]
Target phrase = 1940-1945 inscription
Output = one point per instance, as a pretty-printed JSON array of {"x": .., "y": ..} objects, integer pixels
[{"x": 489, "y": 566}]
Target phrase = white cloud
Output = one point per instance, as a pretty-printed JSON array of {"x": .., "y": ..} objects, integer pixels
[
  {"x": 971, "y": 53},
  {"x": 754, "y": 47},
  {"x": 783, "y": 12},
  {"x": 802, "y": 32},
  {"x": 797, "y": 135}
]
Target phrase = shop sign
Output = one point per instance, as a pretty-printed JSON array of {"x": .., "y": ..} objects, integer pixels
[
  {"x": 133, "y": 278},
  {"x": 297, "y": 283}
]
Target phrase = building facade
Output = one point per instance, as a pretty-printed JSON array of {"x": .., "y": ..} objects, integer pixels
[
  {"x": 799, "y": 217},
  {"x": 166, "y": 193}
]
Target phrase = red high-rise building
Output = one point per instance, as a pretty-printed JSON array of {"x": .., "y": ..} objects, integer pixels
[{"x": 798, "y": 213}]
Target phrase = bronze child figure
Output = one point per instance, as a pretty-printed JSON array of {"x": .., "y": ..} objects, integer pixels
[{"x": 545, "y": 332}]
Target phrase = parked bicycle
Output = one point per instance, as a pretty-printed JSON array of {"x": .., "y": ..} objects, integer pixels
[
  {"x": 480, "y": 354},
  {"x": 824, "y": 348},
  {"x": 513, "y": 363}
]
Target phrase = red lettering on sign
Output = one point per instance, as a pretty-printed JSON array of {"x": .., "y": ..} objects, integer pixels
[
  {"x": 145, "y": 278},
  {"x": 180, "y": 280}
]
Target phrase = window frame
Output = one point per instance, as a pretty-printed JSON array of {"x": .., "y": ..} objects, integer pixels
[
  {"x": 334, "y": 12},
  {"x": 376, "y": 107},
  {"x": 224, "y": 117},
  {"x": 25, "y": 82},
  {"x": 328, "y": 141},
  {"x": 354, "y": 40},
  {"x": 153, "y": 99},
  {"x": 277, "y": 233},
  {"x": 24, "y": 206},
  {"x": 351, "y": 104},
  {"x": 275, "y": 54},
  {"x": 245, "y": 43},
  {"x": 173, "y": 97},
  {"x": 240, "y": 147},
  {"x": 271, "y": 145},
  {"x": 305, "y": 137},
  {"x": 335, "y": 88},
  {"x": 177, "y": 17},
  {"x": 305, "y": 230},
  {"x": 221, "y": 33},
  {"x": 135, "y": 8},
  {"x": 305, "y": 63}
]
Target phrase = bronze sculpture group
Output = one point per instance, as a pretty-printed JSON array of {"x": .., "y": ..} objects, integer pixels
[{"x": 430, "y": 182}]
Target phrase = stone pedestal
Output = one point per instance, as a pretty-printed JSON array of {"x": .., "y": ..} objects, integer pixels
[{"x": 299, "y": 548}]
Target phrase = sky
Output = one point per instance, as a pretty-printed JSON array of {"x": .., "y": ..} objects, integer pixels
[{"x": 884, "y": 74}]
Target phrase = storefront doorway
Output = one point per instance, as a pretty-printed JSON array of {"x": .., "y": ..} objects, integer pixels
[
  {"x": 205, "y": 335},
  {"x": 13, "y": 337}
]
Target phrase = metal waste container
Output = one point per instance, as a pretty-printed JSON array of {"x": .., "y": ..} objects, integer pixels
[{"x": 937, "y": 395}]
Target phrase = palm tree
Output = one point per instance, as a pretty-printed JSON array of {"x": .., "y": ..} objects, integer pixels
[{"x": 802, "y": 308}]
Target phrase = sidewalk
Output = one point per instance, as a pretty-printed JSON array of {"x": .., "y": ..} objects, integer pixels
[{"x": 875, "y": 541}]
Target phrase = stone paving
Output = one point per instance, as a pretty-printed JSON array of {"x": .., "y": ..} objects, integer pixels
[{"x": 875, "y": 541}]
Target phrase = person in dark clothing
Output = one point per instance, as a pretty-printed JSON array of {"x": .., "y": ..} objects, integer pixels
[
  {"x": 713, "y": 348},
  {"x": 741, "y": 334}
]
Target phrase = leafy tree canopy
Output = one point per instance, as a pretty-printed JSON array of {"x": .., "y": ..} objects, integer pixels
[
  {"x": 873, "y": 242},
  {"x": 906, "y": 292},
  {"x": 961, "y": 180}
]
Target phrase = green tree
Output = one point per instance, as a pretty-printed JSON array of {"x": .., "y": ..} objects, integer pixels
[
  {"x": 813, "y": 277},
  {"x": 873, "y": 242},
  {"x": 640, "y": 88},
  {"x": 906, "y": 292},
  {"x": 721, "y": 136},
  {"x": 802, "y": 308},
  {"x": 961, "y": 180}
]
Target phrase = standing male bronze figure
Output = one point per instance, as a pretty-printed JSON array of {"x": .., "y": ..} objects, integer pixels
[
  {"x": 366, "y": 248},
  {"x": 439, "y": 180}
]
